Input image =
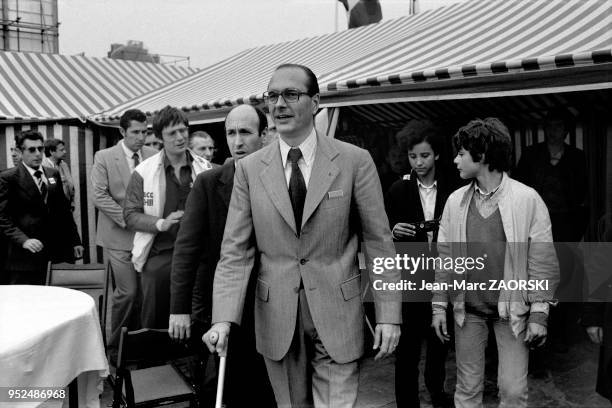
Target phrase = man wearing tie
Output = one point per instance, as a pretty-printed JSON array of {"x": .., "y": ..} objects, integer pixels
[
  {"x": 110, "y": 176},
  {"x": 291, "y": 212},
  {"x": 35, "y": 215}
]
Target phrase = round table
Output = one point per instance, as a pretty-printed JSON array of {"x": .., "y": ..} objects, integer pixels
[{"x": 48, "y": 337}]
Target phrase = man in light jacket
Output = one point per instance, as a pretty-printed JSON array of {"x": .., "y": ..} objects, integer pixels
[
  {"x": 503, "y": 225},
  {"x": 110, "y": 176},
  {"x": 154, "y": 205}
]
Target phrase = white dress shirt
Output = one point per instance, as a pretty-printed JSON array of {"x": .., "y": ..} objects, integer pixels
[
  {"x": 428, "y": 202},
  {"x": 32, "y": 171},
  {"x": 130, "y": 156},
  {"x": 308, "y": 148}
]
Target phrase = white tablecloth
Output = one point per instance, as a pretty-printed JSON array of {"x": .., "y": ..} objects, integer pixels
[{"x": 48, "y": 337}]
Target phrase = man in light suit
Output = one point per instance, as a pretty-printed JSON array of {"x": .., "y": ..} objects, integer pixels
[
  {"x": 291, "y": 211},
  {"x": 110, "y": 176},
  {"x": 35, "y": 216}
]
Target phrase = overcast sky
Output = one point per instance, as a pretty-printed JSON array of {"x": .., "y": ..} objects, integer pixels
[{"x": 205, "y": 30}]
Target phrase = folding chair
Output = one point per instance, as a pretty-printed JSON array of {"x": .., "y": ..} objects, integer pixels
[
  {"x": 161, "y": 382},
  {"x": 86, "y": 278}
]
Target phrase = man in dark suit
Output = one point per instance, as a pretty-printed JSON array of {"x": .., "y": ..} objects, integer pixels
[
  {"x": 289, "y": 222},
  {"x": 35, "y": 215},
  {"x": 196, "y": 253}
]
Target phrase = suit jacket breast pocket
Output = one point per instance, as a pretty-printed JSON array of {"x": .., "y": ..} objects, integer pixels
[
  {"x": 262, "y": 290},
  {"x": 334, "y": 202},
  {"x": 351, "y": 287}
]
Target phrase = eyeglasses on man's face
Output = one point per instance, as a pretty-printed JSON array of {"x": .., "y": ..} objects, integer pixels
[
  {"x": 289, "y": 95},
  {"x": 153, "y": 144}
]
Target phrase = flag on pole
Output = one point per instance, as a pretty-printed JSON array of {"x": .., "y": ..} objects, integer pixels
[{"x": 362, "y": 12}]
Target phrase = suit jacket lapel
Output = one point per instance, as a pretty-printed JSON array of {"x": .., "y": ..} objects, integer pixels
[
  {"x": 122, "y": 164},
  {"x": 27, "y": 184},
  {"x": 226, "y": 183},
  {"x": 323, "y": 174},
  {"x": 275, "y": 184}
]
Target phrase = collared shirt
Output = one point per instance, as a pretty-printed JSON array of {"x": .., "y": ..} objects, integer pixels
[
  {"x": 130, "y": 156},
  {"x": 428, "y": 202},
  {"x": 47, "y": 162},
  {"x": 487, "y": 203},
  {"x": 32, "y": 171},
  {"x": 428, "y": 198},
  {"x": 176, "y": 197},
  {"x": 308, "y": 148}
]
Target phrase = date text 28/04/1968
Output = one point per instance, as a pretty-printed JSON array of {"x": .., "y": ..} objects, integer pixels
[{"x": 457, "y": 285}]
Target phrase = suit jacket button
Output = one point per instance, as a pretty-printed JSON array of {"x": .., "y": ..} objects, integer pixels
[
  {"x": 303, "y": 261},
  {"x": 296, "y": 289}
]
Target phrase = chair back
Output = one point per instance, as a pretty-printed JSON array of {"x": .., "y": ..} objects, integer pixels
[
  {"x": 87, "y": 278},
  {"x": 145, "y": 367},
  {"x": 147, "y": 346}
]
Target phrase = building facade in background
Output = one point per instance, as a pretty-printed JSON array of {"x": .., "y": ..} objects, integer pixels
[
  {"x": 29, "y": 26},
  {"x": 132, "y": 51}
]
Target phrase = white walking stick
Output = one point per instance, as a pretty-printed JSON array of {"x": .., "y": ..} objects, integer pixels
[{"x": 221, "y": 377}]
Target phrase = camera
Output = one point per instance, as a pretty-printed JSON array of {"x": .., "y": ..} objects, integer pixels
[{"x": 426, "y": 226}]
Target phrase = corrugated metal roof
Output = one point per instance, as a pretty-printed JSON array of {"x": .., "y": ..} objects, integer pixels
[
  {"x": 466, "y": 40},
  {"x": 51, "y": 86}
]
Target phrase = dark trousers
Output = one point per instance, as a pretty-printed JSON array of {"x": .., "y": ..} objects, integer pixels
[
  {"x": 415, "y": 329},
  {"x": 155, "y": 281}
]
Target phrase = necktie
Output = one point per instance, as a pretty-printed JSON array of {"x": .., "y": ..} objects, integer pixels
[
  {"x": 41, "y": 185},
  {"x": 136, "y": 159},
  {"x": 297, "y": 187}
]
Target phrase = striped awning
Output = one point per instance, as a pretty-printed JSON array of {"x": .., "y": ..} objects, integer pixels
[
  {"x": 441, "y": 53},
  {"x": 37, "y": 86}
]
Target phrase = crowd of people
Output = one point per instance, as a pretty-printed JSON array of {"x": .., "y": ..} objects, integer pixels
[{"x": 257, "y": 256}]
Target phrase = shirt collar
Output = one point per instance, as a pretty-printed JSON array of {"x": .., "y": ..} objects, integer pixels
[
  {"x": 493, "y": 192},
  {"x": 308, "y": 148},
  {"x": 168, "y": 164},
  {"x": 423, "y": 186},
  {"x": 129, "y": 153},
  {"x": 31, "y": 170}
]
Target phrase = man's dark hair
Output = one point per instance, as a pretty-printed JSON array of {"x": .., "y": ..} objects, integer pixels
[
  {"x": 488, "y": 137},
  {"x": 28, "y": 134},
  {"x": 168, "y": 116},
  {"x": 560, "y": 114},
  {"x": 51, "y": 146},
  {"x": 130, "y": 115},
  {"x": 263, "y": 120},
  {"x": 416, "y": 132},
  {"x": 312, "y": 85}
]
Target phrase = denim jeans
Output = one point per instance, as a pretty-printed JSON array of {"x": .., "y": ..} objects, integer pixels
[{"x": 470, "y": 343}]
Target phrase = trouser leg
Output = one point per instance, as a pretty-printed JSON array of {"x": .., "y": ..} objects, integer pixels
[
  {"x": 125, "y": 297},
  {"x": 470, "y": 344},
  {"x": 513, "y": 355},
  {"x": 156, "y": 291},
  {"x": 307, "y": 376},
  {"x": 408, "y": 355}
]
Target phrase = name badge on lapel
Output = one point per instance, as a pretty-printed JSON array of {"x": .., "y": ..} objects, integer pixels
[
  {"x": 335, "y": 194},
  {"x": 51, "y": 180}
]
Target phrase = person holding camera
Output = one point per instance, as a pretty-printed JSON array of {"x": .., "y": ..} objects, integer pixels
[{"x": 414, "y": 206}]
